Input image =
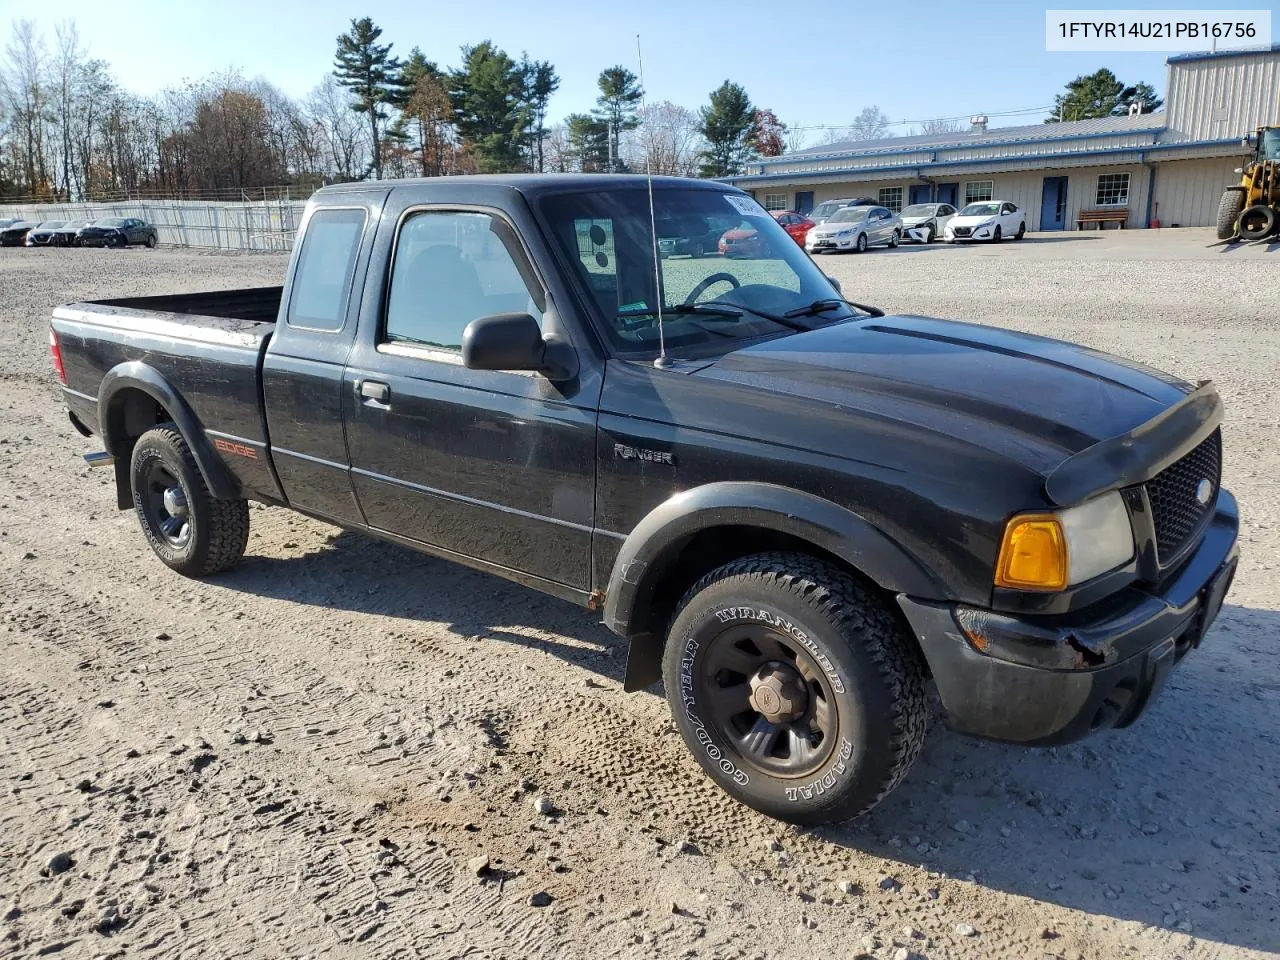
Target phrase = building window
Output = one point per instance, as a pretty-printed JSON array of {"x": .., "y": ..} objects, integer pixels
[
  {"x": 975, "y": 191},
  {"x": 891, "y": 197},
  {"x": 1113, "y": 190},
  {"x": 775, "y": 201}
]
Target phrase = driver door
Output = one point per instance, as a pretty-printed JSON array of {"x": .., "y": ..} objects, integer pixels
[{"x": 494, "y": 465}]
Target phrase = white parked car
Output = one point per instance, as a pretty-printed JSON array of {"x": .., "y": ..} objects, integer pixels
[
  {"x": 927, "y": 220},
  {"x": 855, "y": 228},
  {"x": 987, "y": 220}
]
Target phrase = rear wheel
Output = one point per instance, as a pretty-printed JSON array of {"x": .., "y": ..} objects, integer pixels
[
  {"x": 796, "y": 688},
  {"x": 151, "y": 241},
  {"x": 1229, "y": 209},
  {"x": 698, "y": 250},
  {"x": 189, "y": 529},
  {"x": 895, "y": 239}
]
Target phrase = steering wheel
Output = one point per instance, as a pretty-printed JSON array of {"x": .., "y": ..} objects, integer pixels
[{"x": 701, "y": 288}]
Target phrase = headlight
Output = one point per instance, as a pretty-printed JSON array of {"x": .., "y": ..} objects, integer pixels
[
  {"x": 1050, "y": 551},
  {"x": 845, "y": 233}
]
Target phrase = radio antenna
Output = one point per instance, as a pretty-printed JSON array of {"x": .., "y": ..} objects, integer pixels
[{"x": 663, "y": 360}]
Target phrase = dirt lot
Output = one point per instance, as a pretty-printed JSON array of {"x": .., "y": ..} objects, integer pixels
[{"x": 303, "y": 757}]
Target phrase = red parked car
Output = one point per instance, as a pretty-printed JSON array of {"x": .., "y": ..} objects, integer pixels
[
  {"x": 743, "y": 241},
  {"x": 796, "y": 224}
]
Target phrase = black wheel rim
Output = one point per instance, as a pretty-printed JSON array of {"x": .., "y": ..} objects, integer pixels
[
  {"x": 165, "y": 502},
  {"x": 788, "y": 736}
]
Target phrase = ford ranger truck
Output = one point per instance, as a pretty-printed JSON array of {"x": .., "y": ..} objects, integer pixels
[{"x": 799, "y": 511}]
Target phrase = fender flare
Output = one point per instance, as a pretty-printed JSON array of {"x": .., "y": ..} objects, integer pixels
[
  {"x": 136, "y": 375},
  {"x": 656, "y": 540}
]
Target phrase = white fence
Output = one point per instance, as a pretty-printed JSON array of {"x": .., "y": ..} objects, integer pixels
[{"x": 260, "y": 225}]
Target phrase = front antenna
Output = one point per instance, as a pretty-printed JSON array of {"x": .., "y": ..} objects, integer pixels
[{"x": 663, "y": 360}]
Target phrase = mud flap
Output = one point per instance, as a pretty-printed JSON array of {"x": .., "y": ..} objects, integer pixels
[{"x": 644, "y": 662}]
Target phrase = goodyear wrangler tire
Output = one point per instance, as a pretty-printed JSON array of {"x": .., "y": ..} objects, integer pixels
[
  {"x": 189, "y": 529},
  {"x": 795, "y": 687}
]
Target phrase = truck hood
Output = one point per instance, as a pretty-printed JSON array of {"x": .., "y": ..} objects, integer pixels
[{"x": 1031, "y": 399}]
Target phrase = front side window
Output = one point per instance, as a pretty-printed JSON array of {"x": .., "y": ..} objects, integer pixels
[
  {"x": 976, "y": 190},
  {"x": 1113, "y": 190},
  {"x": 742, "y": 289},
  {"x": 775, "y": 201},
  {"x": 326, "y": 262},
  {"x": 891, "y": 197},
  {"x": 451, "y": 267}
]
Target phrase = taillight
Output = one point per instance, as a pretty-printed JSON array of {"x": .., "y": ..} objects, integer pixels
[{"x": 55, "y": 351}]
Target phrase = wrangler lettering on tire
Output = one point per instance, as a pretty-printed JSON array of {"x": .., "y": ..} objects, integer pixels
[{"x": 795, "y": 686}]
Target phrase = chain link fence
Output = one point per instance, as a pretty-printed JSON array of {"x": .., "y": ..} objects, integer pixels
[{"x": 248, "y": 225}]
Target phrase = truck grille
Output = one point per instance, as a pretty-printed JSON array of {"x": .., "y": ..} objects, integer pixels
[{"x": 1176, "y": 510}]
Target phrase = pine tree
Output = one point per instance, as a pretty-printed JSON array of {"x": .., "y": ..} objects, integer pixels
[
  {"x": 618, "y": 108},
  {"x": 726, "y": 125},
  {"x": 589, "y": 143},
  {"x": 487, "y": 93},
  {"x": 1101, "y": 94},
  {"x": 540, "y": 82},
  {"x": 368, "y": 70}
]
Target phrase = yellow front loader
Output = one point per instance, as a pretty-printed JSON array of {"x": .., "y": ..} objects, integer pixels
[{"x": 1251, "y": 211}]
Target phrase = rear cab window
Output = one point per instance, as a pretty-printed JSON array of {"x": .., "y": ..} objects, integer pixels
[{"x": 326, "y": 262}]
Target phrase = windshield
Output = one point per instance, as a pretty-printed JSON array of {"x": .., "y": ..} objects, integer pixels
[
  {"x": 826, "y": 209},
  {"x": 709, "y": 303},
  {"x": 109, "y": 222},
  {"x": 980, "y": 210},
  {"x": 1271, "y": 144},
  {"x": 920, "y": 210},
  {"x": 850, "y": 215}
]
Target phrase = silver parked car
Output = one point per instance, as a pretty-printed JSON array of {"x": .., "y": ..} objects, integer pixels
[{"x": 855, "y": 228}]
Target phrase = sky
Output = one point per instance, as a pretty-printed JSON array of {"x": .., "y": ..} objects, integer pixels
[{"x": 814, "y": 64}]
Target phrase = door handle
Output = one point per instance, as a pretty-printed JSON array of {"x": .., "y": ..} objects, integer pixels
[{"x": 374, "y": 393}]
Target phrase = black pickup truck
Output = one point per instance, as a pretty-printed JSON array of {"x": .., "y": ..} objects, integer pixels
[{"x": 797, "y": 509}]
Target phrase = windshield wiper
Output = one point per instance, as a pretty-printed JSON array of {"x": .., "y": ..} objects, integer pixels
[
  {"x": 824, "y": 306},
  {"x": 681, "y": 309}
]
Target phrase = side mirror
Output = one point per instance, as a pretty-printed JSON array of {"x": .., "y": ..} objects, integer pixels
[
  {"x": 836, "y": 283},
  {"x": 513, "y": 341}
]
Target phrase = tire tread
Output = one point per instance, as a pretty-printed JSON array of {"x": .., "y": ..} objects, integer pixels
[{"x": 857, "y": 611}]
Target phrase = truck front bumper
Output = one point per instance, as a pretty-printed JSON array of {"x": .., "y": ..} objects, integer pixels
[{"x": 1052, "y": 680}]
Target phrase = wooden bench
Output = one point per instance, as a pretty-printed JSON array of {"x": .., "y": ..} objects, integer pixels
[{"x": 1103, "y": 217}]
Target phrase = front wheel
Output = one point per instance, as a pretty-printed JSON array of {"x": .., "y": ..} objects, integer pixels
[
  {"x": 861, "y": 245},
  {"x": 189, "y": 529},
  {"x": 996, "y": 237},
  {"x": 797, "y": 689},
  {"x": 1229, "y": 209},
  {"x": 928, "y": 234},
  {"x": 1022, "y": 231}
]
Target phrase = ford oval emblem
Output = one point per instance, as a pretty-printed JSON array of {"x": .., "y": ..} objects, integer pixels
[{"x": 1204, "y": 490}]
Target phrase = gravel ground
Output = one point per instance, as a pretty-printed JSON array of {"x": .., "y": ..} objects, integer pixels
[{"x": 344, "y": 749}]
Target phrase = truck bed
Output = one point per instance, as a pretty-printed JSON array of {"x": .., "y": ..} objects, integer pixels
[{"x": 209, "y": 346}]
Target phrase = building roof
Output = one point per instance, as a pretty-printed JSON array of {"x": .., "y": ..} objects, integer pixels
[
  {"x": 1100, "y": 127},
  {"x": 1217, "y": 54}
]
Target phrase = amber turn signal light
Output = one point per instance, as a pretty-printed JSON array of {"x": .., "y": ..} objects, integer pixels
[{"x": 1033, "y": 554}]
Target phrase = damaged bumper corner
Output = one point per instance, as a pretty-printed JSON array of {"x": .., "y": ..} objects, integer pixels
[{"x": 1045, "y": 680}]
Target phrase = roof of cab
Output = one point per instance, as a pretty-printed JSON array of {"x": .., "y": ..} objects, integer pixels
[{"x": 533, "y": 183}]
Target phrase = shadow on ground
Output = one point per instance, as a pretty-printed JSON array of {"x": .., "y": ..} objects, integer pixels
[{"x": 1172, "y": 823}]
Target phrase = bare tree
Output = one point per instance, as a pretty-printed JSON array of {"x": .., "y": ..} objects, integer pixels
[
  {"x": 937, "y": 127},
  {"x": 23, "y": 88},
  {"x": 668, "y": 138},
  {"x": 558, "y": 151},
  {"x": 328, "y": 107}
]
